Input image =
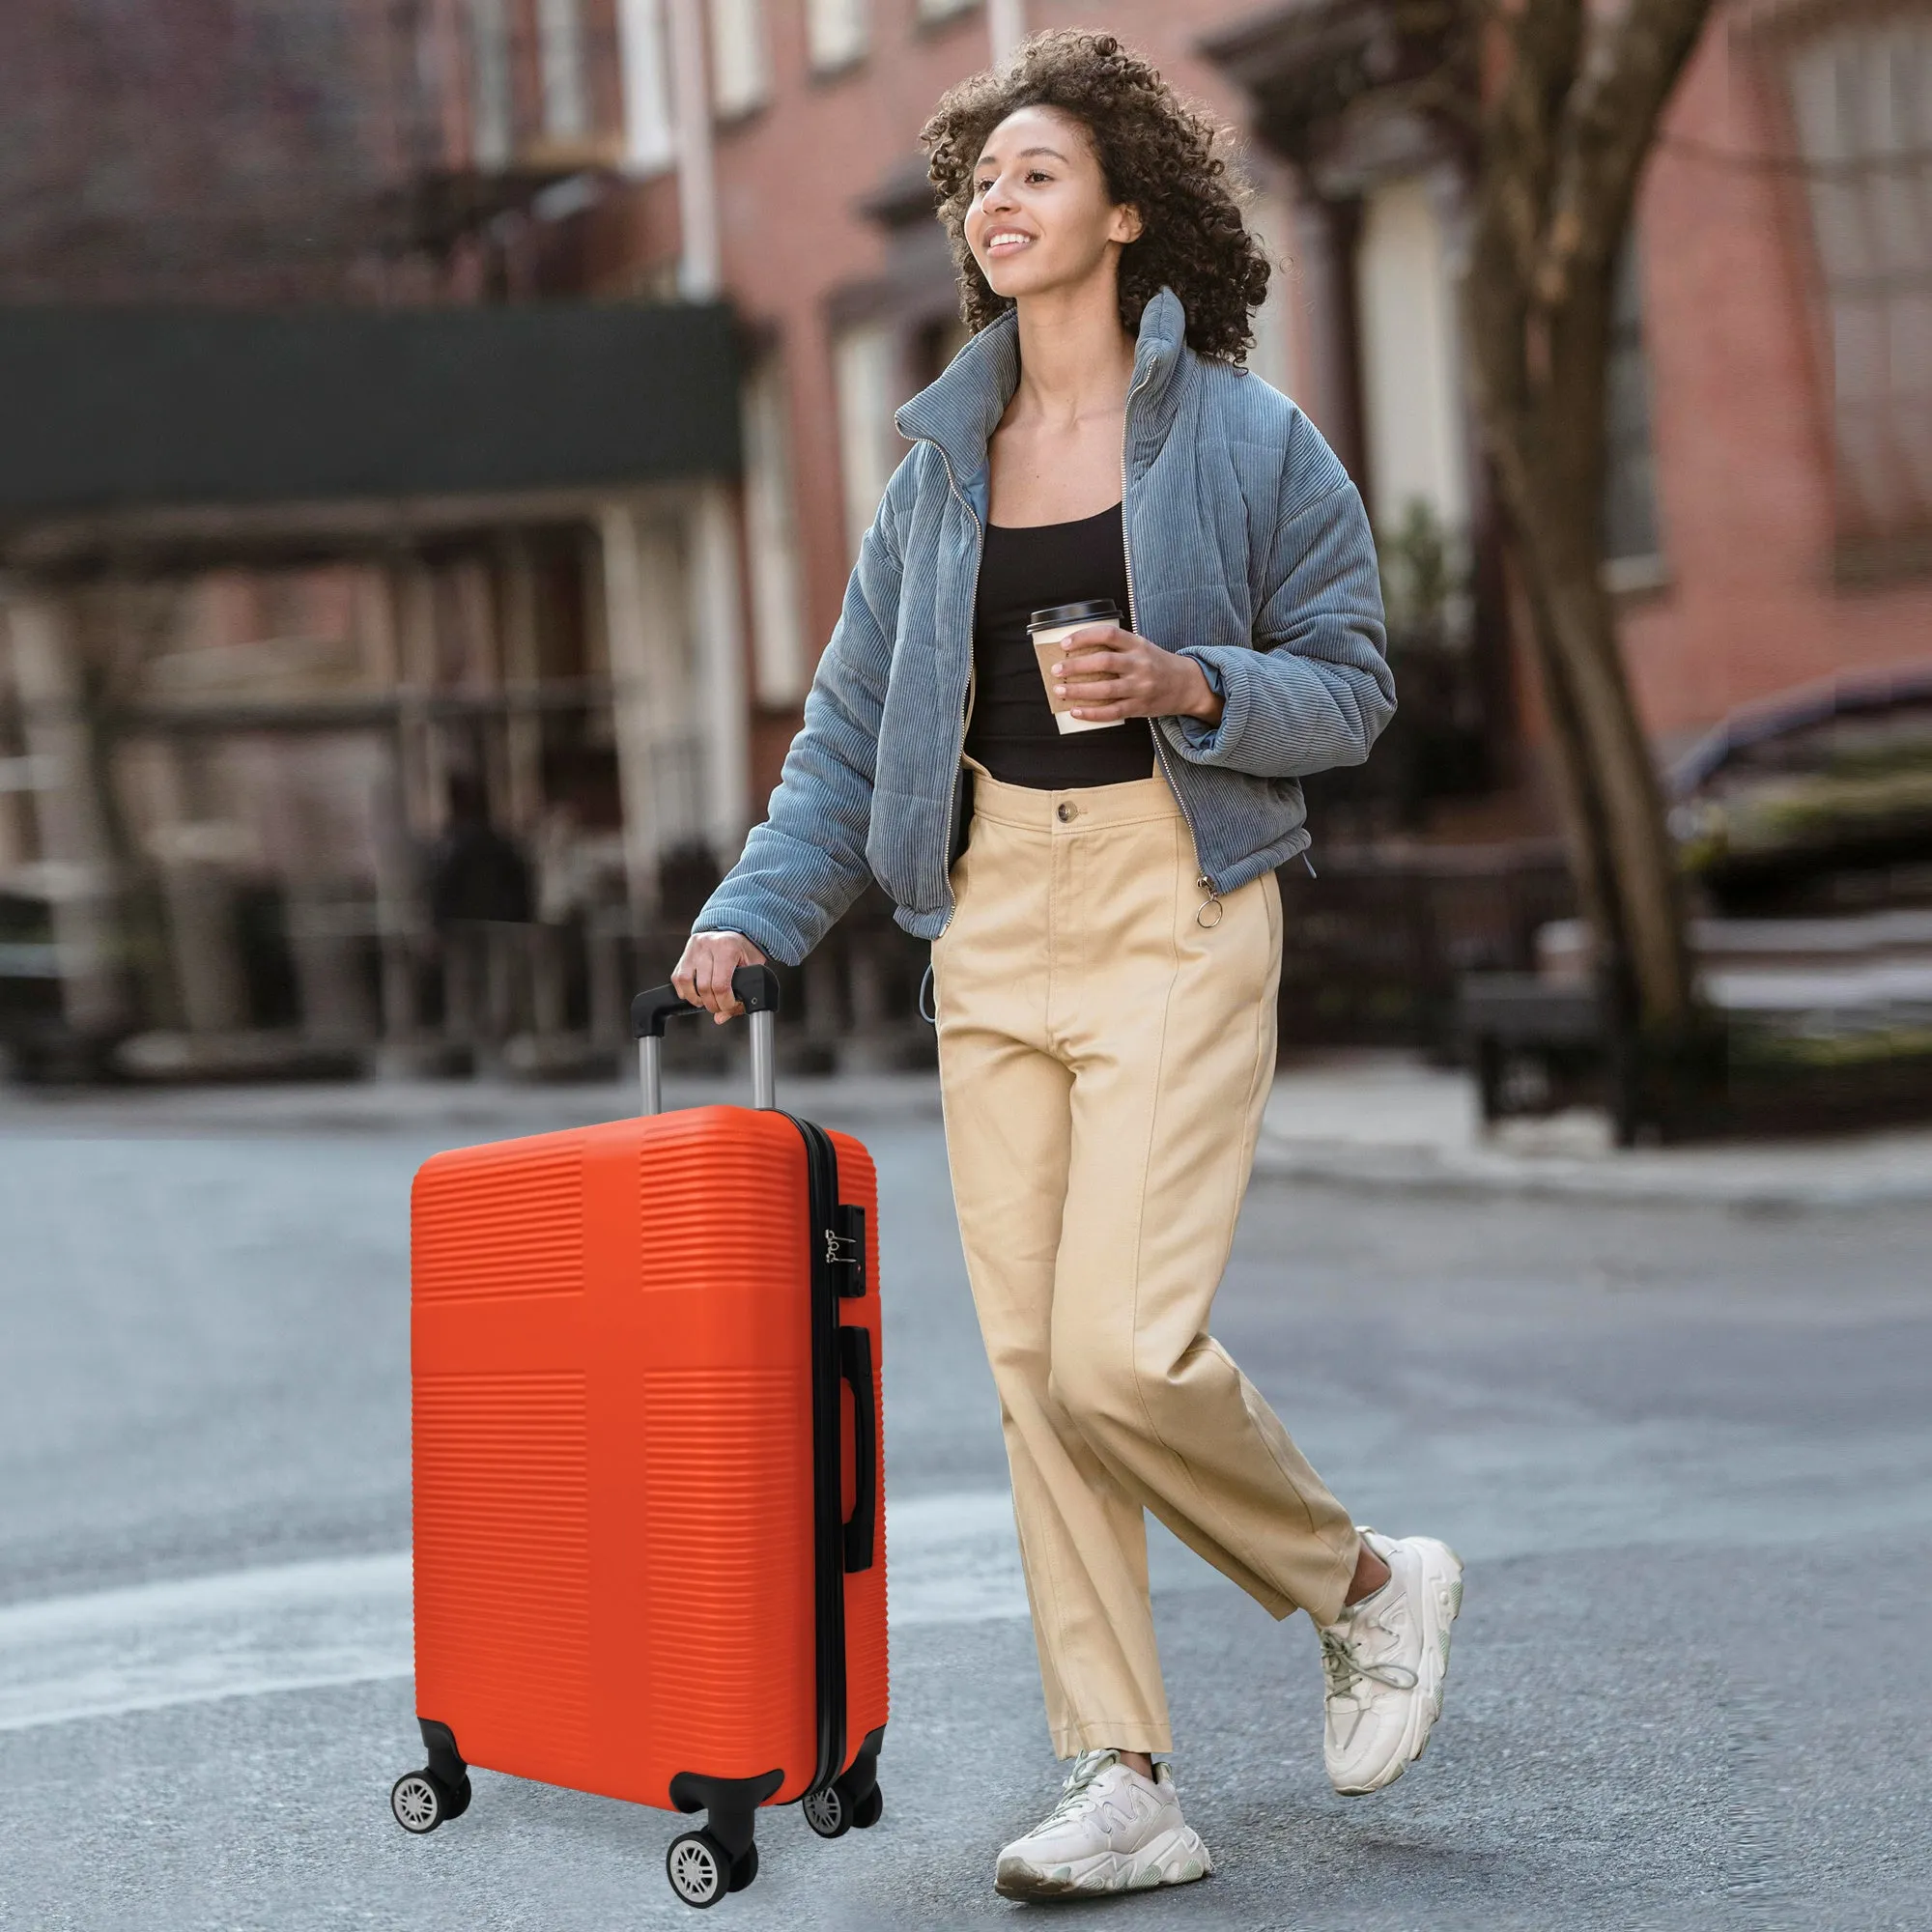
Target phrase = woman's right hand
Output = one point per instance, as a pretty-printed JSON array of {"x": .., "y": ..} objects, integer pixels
[{"x": 703, "y": 974}]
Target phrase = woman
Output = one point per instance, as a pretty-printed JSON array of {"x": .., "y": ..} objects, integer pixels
[{"x": 1106, "y": 950}]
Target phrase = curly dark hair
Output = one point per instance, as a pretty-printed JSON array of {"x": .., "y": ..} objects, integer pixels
[{"x": 1159, "y": 153}]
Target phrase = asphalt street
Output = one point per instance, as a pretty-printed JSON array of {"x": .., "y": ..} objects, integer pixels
[{"x": 1687, "y": 1454}]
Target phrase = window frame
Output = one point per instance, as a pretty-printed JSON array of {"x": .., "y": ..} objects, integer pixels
[
  {"x": 1862, "y": 552},
  {"x": 1632, "y": 441},
  {"x": 828, "y": 63},
  {"x": 755, "y": 94},
  {"x": 932, "y": 15}
]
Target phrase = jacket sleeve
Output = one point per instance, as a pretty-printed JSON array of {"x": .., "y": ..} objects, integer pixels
[
  {"x": 807, "y": 863},
  {"x": 1314, "y": 690}
]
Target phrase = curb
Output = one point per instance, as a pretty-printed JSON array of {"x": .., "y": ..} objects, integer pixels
[
  {"x": 482, "y": 1112},
  {"x": 1743, "y": 1180},
  {"x": 1882, "y": 1171}
]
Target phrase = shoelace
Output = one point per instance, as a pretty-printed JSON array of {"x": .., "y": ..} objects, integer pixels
[
  {"x": 1075, "y": 1792},
  {"x": 1344, "y": 1667}
]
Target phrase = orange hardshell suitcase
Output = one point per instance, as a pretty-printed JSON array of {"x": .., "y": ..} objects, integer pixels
[{"x": 650, "y": 1522}]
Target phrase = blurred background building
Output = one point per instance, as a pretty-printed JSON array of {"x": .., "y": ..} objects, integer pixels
[{"x": 439, "y": 432}]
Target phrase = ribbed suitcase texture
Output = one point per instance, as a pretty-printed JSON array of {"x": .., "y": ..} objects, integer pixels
[{"x": 612, "y": 1368}]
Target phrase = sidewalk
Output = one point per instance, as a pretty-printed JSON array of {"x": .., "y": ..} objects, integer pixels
[
  {"x": 1366, "y": 1121},
  {"x": 1375, "y": 1120},
  {"x": 462, "y": 1110}
]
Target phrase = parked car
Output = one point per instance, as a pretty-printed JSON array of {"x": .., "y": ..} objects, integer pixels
[{"x": 1805, "y": 828}]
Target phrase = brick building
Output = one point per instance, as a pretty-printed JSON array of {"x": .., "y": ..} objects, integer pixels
[
  {"x": 1771, "y": 407},
  {"x": 829, "y": 250},
  {"x": 1770, "y": 494},
  {"x": 306, "y": 526},
  {"x": 1789, "y": 338}
]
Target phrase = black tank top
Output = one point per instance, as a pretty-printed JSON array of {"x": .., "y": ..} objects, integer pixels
[{"x": 1013, "y": 732}]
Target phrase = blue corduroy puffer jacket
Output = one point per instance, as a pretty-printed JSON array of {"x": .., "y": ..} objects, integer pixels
[{"x": 1247, "y": 551}]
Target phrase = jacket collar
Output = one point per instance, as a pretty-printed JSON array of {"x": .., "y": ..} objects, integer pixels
[{"x": 961, "y": 410}]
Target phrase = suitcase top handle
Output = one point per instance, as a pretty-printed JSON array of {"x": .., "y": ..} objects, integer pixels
[
  {"x": 756, "y": 989},
  {"x": 758, "y": 992}
]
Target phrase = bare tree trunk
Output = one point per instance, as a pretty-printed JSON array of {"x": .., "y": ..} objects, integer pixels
[
  {"x": 1571, "y": 115},
  {"x": 1548, "y": 461}
]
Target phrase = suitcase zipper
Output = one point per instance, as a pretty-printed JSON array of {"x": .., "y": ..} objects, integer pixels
[{"x": 821, "y": 1160}]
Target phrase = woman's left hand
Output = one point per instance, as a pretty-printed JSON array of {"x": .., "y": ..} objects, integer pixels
[{"x": 1111, "y": 673}]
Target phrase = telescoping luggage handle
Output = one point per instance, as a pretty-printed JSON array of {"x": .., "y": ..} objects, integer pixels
[{"x": 756, "y": 991}]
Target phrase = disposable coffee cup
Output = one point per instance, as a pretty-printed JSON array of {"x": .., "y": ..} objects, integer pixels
[{"x": 1049, "y": 631}]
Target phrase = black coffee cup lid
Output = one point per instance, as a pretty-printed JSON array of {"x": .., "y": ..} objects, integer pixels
[{"x": 1095, "y": 610}]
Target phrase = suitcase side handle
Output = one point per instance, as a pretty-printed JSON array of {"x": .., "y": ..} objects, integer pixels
[
  {"x": 855, "y": 1369},
  {"x": 756, "y": 989}
]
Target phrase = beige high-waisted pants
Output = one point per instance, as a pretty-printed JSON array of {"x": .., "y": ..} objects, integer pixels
[{"x": 1104, "y": 1052}]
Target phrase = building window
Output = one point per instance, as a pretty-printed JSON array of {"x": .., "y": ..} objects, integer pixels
[
  {"x": 645, "y": 70},
  {"x": 1862, "y": 104},
  {"x": 866, "y": 366},
  {"x": 740, "y": 70},
  {"x": 777, "y": 617},
  {"x": 1411, "y": 359},
  {"x": 835, "y": 33},
  {"x": 944, "y": 10},
  {"x": 493, "y": 128},
  {"x": 566, "y": 110},
  {"x": 1630, "y": 542}
]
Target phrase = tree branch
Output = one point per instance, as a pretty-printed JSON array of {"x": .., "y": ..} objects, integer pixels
[
  {"x": 1571, "y": 109},
  {"x": 1538, "y": 44},
  {"x": 1606, "y": 130}
]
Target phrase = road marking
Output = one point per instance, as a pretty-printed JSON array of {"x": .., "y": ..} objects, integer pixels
[
  {"x": 294, "y": 1627},
  {"x": 346, "y": 1620}
]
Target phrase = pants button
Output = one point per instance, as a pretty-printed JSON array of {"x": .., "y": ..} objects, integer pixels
[{"x": 1067, "y": 811}]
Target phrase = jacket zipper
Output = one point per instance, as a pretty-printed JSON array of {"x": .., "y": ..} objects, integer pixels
[
  {"x": 972, "y": 681},
  {"x": 1204, "y": 882}
]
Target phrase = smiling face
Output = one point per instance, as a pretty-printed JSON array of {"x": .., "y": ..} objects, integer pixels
[{"x": 1040, "y": 216}]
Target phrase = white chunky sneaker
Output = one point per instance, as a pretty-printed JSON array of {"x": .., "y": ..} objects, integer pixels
[
  {"x": 1112, "y": 1831},
  {"x": 1385, "y": 1659}
]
